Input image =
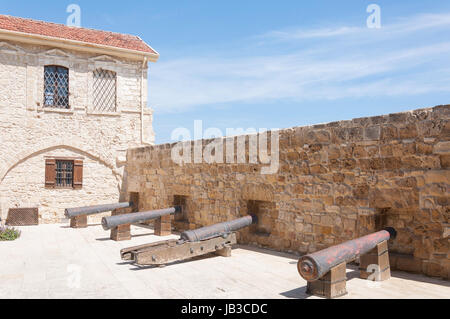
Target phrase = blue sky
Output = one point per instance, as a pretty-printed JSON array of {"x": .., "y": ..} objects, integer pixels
[{"x": 267, "y": 64}]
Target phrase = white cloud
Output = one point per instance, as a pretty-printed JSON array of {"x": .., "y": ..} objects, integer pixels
[
  {"x": 341, "y": 69},
  {"x": 312, "y": 33},
  {"x": 416, "y": 23}
]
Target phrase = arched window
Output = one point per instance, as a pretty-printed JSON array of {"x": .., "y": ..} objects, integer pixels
[
  {"x": 104, "y": 90},
  {"x": 56, "y": 86}
]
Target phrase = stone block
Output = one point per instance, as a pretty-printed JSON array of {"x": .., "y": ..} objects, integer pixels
[
  {"x": 372, "y": 133},
  {"x": 442, "y": 148},
  {"x": 257, "y": 192},
  {"x": 445, "y": 161},
  {"x": 407, "y": 132},
  {"x": 433, "y": 269}
]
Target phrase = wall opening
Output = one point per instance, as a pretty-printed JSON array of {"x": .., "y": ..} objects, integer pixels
[
  {"x": 180, "y": 200},
  {"x": 373, "y": 222},
  {"x": 265, "y": 213},
  {"x": 183, "y": 221},
  {"x": 381, "y": 218},
  {"x": 134, "y": 198}
]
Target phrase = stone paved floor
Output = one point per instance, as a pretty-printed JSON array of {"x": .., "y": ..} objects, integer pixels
[{"x": 54, "y": 261}]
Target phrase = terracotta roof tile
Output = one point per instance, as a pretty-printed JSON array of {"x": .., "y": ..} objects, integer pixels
[{"x": 62, "y": 31}]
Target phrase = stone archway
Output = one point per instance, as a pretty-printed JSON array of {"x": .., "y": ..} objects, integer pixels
[
  {"x": 102, "y": 182},
  {"x": 13, "y": 160}
]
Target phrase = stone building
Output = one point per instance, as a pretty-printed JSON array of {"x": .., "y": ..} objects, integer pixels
[{"x": 72, "y": 101}]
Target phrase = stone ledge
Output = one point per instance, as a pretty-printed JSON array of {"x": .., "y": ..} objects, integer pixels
[
  {"x": 103, "y": 114},
  {"x": 56, "y": 110}
]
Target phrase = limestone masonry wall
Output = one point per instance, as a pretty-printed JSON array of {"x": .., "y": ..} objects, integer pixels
[{"x": 336, "y": 181}]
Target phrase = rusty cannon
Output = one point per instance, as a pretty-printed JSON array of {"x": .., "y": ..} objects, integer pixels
[
  {"x": 136, "y": 218},
  {"x": 325, "y": 270},
  {"x": 216, "y": 238},
  {"x": 78, "y": 215}
]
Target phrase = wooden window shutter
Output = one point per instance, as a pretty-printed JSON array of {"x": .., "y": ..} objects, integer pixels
[
  {"x": 78, "y": 174},
  {"x": 50, "y": 173}
]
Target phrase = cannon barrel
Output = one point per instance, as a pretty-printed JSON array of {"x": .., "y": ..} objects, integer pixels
[
  {"x": 218, "y": 229},
  {"x": 91, "y": 210},
  {"x": 114, "y": 221},
  {"x": 314, "y": 266}
]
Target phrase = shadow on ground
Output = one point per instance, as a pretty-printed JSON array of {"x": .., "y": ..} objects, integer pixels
[
  {"x": 90, "y": 225},
  {"x": 268, "y": 252},
  {"x": 300, "y": 293},
  {"x": 297, "y": 293},
  {"x": 139, "y": 267},
  {"x": 419, "y": 277},
  {"x": 132, "y": 236}
]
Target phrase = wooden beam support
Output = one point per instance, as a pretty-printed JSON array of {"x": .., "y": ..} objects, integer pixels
[
  {"x": 332, "y": 285},
  {"x": 375, "y": 264},
  {"x": 122, "y": 232},
  {"x": 79, "y": 221},
  {"x": 163, "y": 226}
]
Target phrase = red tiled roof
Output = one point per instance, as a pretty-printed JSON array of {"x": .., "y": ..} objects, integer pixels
[{"x": 62, "y": 31}]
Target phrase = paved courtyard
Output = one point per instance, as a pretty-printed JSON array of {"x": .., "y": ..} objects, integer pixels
[{"x": 55, "y": 261}]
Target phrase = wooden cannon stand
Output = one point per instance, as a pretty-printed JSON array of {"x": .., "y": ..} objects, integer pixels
[
  {"x": 79, "y": 221},
  {"x": 169, "y": 251},
  {"x": 333, "y": 284}
]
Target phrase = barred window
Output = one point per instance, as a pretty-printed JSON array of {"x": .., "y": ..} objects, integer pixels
[
  {"x": 104, "y": 91},
  {"x": 56, "y": 86},
  {"x": 64, "y": 173}
]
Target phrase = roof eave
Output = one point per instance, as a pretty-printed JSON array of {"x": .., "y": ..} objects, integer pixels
[{"x": 78, "y": 45}]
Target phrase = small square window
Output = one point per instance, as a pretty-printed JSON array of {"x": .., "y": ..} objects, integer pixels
[{"x": 64, "y": 173}]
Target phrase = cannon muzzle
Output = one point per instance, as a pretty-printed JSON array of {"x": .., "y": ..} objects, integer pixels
[{"x": 114, "y": 221}]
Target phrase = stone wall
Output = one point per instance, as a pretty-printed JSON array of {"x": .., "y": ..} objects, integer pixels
[
  {"x": 336, "y": 182},
  {"x": 30, "y": 132}
]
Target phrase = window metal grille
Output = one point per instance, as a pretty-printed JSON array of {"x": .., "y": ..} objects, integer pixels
[
  {"x": 56, "y": 86},
  {"x": 64, "y": 173},
  {"x": 104, "y": 91}
]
